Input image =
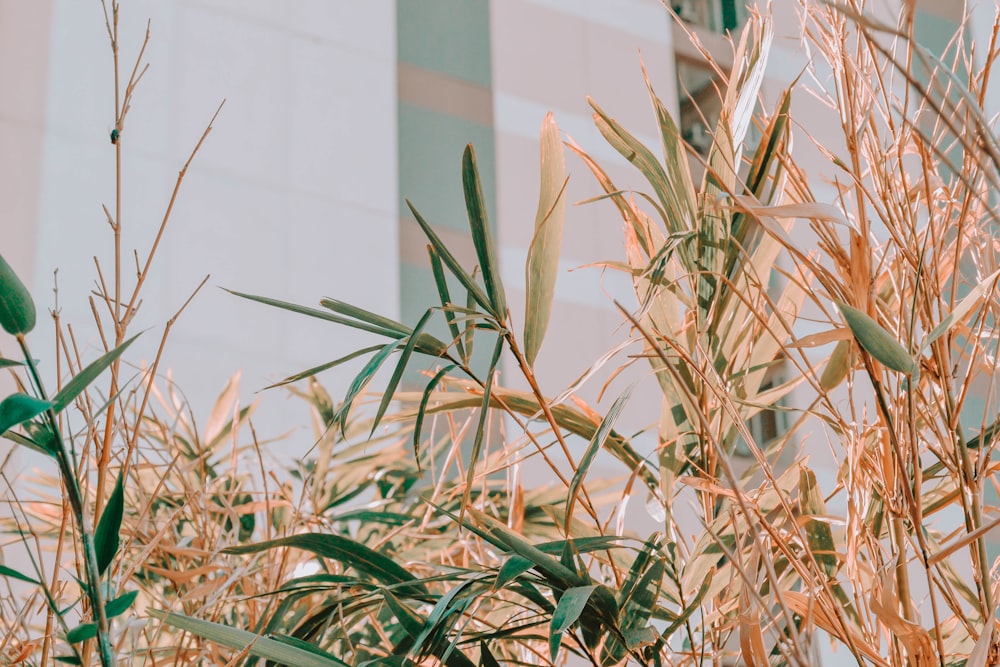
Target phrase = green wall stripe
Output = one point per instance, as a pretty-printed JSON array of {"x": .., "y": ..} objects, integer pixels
[
  {"x": 430, "y": 165},
  {"x": 448, "y": 36}
]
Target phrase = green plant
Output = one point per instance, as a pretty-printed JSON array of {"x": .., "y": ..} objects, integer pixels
[
  {"x": 901, "y": 273},
  {"x": 90, "y": 432}
]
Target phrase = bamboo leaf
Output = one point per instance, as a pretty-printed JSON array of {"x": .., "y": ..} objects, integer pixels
[
  {"x": 14, "y": 574},
  {"x": 397, "y": 373},
  {"x": 418, "y": 421},
  {"x": 324, "y": 367},
  {"x": 692, "y": 606},
  {"x": 107, "y": 535},
  {"x": 963, "y": 308},
  {"x": 241, "y": 640},
  {"x": 568, "y": 610},
  {"x": 360, "y": 381},
  {"x": 595, "y": 445},
  {"x": 19, "y": 408},
  {"x": 83, "y": 379},
  {"x": 480, "y": 434},
  {"x": 818, "y": 533},
  {"x": 482, "y": 237},
  {"x": 17, "y": 309},
  {"x": 346, "y": 551},
  {"x": 542, "y": 266},
  {"x": 367, "y": 316},
  {"x": 425, "y": 343},
  {"x": 635, "y": 152},
  {"x": 877, "y": 341},
  {"x": 837, "y": 367},
  {"x": 500, "y": 536},
  {"x": 450, "y": 606},
  {"x": 81, "y": 633},
  {"x": 475, "y": 291},
  {"x": 437, "y": 270},
  {"x": 486, "y": 658},
  {"x": 120, "y": 604},
  {"x": 32, "y": 443},
  {"x": 319, "y": 314},
  {"x": 412, "y": 622}
]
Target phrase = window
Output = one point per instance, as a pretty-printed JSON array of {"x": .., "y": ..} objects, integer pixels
[
  {"x": 716, "y": 15},
  {"x": 767, "y": 425},
  {"x": 700, "y": 103}
]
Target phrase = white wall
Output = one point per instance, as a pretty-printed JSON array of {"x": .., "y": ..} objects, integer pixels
[{"x": 293, "y": 194}]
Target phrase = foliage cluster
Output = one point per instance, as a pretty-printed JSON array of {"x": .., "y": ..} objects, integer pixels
[{"x": 420, "y": 545}]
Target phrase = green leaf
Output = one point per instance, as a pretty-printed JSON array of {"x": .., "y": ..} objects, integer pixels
[
  {"x": 120, "y": 604},
  {"x": 501, "y": 536},
  {"x": 877, "y": 341},
  {"x": 482, "y": 238},
  {"x": 19, "y": 408},
  {"x": 985, "y": 437},
  {"x": 319, "y": 314},
  {"x": 367, "y": 316},
  {"x": 425, "y": 343},
  {"x": 324, "y": 367},
  {"x": 17, "y": 310},
  {"x": 635, "y": 152},
  {"x": 818, "y": 533},
  {"x": 567, "y": 612},
  {"x": 542, "y": 266},
  {"x": 693, "y": 605},
  {"x": 511, "y": 570},
  {"x": 600, "y": 436},
  {"x": 241, "y": 640},
  {"x": 412, "y": 622},
  {"x": 397, "y": 373},
  {"x": 361, "y": 380},
  {"x": 486, "y": 658},
  {"x": 83, "y": 379},
  {"x": 450, "y": 606},
  {"x": 14, "y": 574},
  {"x": 305, "y": 646},
  {"x": 437, "y": 269},
  {"x": 958, "y": 313},
  {"x": 107, "y": 535},
  {"x": 7, "y": 363},
  {"x": 346, "y": 551},
  {"x": 837, "y": 366},
  {"x": 474, "y": 290},
  {"x": 81, "y": 633},
  {"x": 418, "y": 421},
  {"x": 480, "y": 434}
]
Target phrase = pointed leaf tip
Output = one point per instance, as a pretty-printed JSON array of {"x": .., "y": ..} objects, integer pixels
[
  {"x": 542, "y": 266},
  {"x": 17, "y": 309}
]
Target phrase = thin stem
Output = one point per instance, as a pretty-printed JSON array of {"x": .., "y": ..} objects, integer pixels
[{"x": 74, "y": 494}]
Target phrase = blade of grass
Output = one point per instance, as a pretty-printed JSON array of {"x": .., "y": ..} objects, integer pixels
[
  {"x": 484, "y": 412},
  {"x": 542, "y": 266},
  {"x": 474, "y": 290},
  {"x": 397, "y": 373},
  {"x": 482, "y": 237},
  {"x": 437, "y": 270},
  {"x": 83, "y": 379},
  {"x": 595, "y": 445},
  {"x": 241, "y": 640}
]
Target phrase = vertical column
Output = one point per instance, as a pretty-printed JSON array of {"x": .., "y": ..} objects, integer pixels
[{"x": 445, "y": 102}]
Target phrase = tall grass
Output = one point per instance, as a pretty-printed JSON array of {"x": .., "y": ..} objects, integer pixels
[
  {"x": 869, "y": 321},
  {"x": 889, "y": 559}
]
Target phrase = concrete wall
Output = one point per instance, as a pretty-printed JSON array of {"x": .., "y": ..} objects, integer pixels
[{"x": 293, "y": 194}]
